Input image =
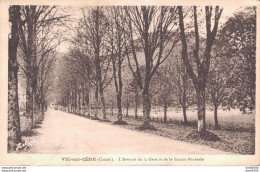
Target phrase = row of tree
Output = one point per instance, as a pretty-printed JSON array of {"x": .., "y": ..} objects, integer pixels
[
  {"x": 32, "y": 50},
  {"x": 169, "y": 62}
]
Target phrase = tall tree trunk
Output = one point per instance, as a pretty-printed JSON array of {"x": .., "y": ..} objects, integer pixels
[
  {"x": 146, "y": 110},
  {"x": 184, "y": 114},
  {"x": 127, "y": 105},
  {"x": 75, "y": 101},
  {"x": 67, "y": 102},
  {"x": 71, "y": 100},
  {"x": 118, "y": 84},
  {"x": 112, "y": 109},
  {"x": 29, "y": 103},
  {"x": 216, "y": 116},
  {"x": 29, "y": 58},
  {"x": 119, "y": 95},
  {"x": 101, "y": 90},
  {"x": 89, "y": 98},
  {"x": 184, "y": 101},
  {"x": 165, "y": 106},
  {"x": 42, "y": 108},
  {"x": 35, "y": 106},
  {"x": 146, "y": 105},
  {"x": 83, "y": 98},
  {"x": 14, "y": 130},
  {"x": 97, "y": 60},
  {"x": 83, "y": 94},
  {"x": 41, "y": 112},
  {"x": 96, "y": 93},
  {"x": 103, "y": 104},
  {"x": 136, "y": 105},
  {"x": 79, "y": 105},
  {"x": 201, "y": 109},
  {"x": 119, "y": 106}
]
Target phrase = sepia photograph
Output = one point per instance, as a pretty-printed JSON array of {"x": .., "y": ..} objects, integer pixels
[{"x": 113, "y": 84}]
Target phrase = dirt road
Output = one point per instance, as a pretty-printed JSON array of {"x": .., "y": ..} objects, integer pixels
[{"x": 62, "y": 132}]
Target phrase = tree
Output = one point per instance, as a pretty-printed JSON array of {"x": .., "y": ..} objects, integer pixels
[
  {"x": 238, "y": 40},
  {"x": 45, "y": 62},
  {"x": 202, "y": 63},
  {"x": 28, "y": 47},
  {"x": 152, "y": 29},
  {"x": 134, "y": 89},
  {"x": 14, "y": 130},
  {"x": 44, "y": 76},
  {"x": 116, "y": 41},
  {"x": 217, "y": 85},
  {"x": 82, "y": 63},
  {"x": 95, "y": 25},
  {"x": 82, "y": 56},
  {"x": 161, "y": 89},
  {"x": 63, "y": 83},
  {"x": 35, "y": 19},
  {"x": 76, "y": 79},
  {"x": 180, "y": 84}
]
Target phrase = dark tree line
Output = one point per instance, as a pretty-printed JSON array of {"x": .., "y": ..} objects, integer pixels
[
  {"x": 14, "y": 130},
  {"x": 33, "y": 43}
]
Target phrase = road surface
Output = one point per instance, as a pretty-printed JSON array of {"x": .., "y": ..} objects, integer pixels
[{"x": 66, "y": 133}]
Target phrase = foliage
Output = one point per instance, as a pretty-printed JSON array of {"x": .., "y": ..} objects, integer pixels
[{"x": 238, "y": 46}]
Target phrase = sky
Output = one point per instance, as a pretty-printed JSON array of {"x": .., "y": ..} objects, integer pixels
[{"x": 227, "y": 12}]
